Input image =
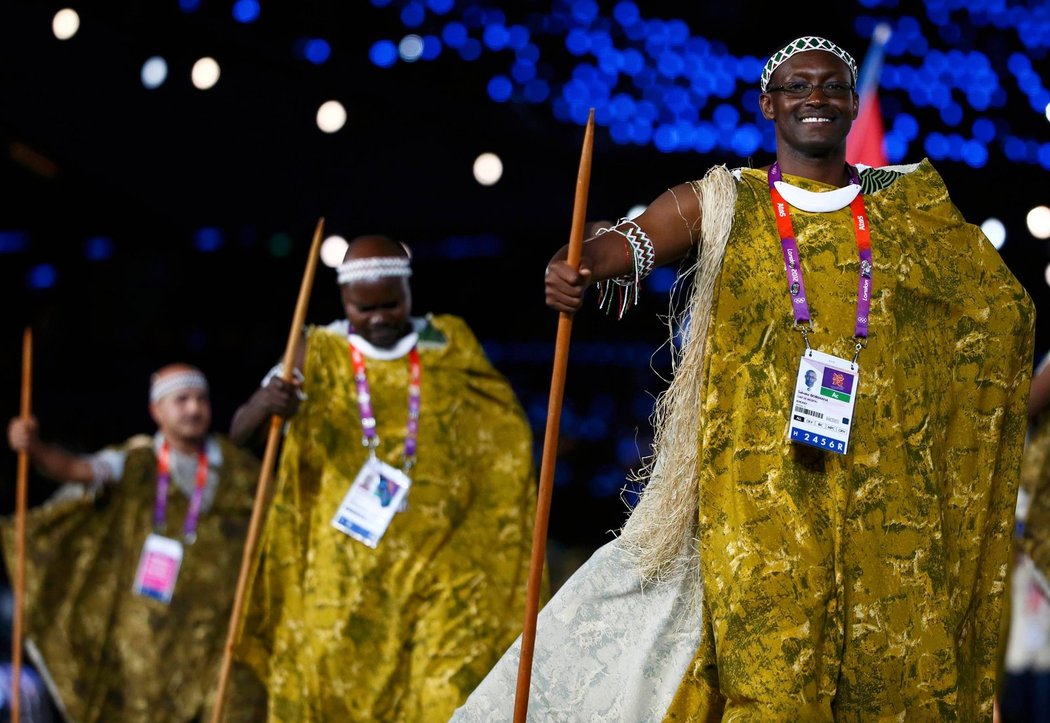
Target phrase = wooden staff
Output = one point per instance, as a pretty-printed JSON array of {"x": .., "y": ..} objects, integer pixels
[
  {"x": 262, "y": 491},
  {"x": 20, "y": 534},
  {"x": 550, "y": 439}
]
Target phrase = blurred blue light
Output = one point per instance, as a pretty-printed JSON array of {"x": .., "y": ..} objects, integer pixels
[
  {"x": 705, "y": 138},
  {"x": 98, "y": 248},
  {"x": 494, "y": 16},
  {"x": 1044, "y": 155},
  {"x": 537, "y": 90},
  {"x": 633, "y": 62},
  {"x": 560, "y": 108},
  {"x": 454, "y": 34},
  {"x": 495, "y": 37},
  {"x": 189, "y": 6},
  {"x": 431, "y": 47},
  {"x": 575, "y": 91},
  {"x": 317, "y": 51},
  {"x": 975, "y": 154},
  {"x": 413, "y": 14},
  {"x": 677, "y": 32},
  {"x": 246, "y": 11},
  {"x": 380, "y": 3},
  {"x": 474, "y": 17},
  {"x": 950, "y": 33},
  {"x": 470, "y": 50},
  {"x": 983, "y": 130},
  {"x": 207, "y": 239},
  {"x": 936, "y": 146},
  {"x": 620, "y": 132},
  {"x": 578, "y": 41},
  {"x": 500, "y": 88},
  {"x": 1018, "y": 63},
  {"x": 383, "y": 53},
  {"x": 952, "y": 114},
  {"x": 746, "y": 140},
  {"x": 13, "y": 242},
  {"x": 440, "y": 7},
  {"x": 610, "y": 60},
  {"x": 585, "y": 11},
  {"x": 906, "y": 125},
  {"x": 670, "y": 64},
  {"x": 626, "y": 13},
  {"x": 523, "y": 71},
  {"x": 666, "y": 138},
  {"x": 896, "y": 147},
  {"x": 642, "y": 132},
  {"x": 41, "y": 276},
  {"x": 518, "y": 36},
  {"x": 726, "y": 117}
]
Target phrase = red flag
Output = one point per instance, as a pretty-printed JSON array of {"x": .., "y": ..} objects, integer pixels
[{"x": 865, "y": 143}]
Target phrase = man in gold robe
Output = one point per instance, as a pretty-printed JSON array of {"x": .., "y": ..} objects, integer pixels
[
  {"x": 115, "y": 641},
  {"x": 858, "y": 579},
  {"x": 351, "y": 619}
]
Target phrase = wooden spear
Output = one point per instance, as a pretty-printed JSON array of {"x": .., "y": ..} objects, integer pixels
[
  {"x": 20, "y": 534},
  {"x": 262, "y": 492},
  {"x": 550, "y": 439}
]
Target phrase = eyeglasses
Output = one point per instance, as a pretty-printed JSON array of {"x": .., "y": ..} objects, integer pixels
[{"x": 804, "y": 90}]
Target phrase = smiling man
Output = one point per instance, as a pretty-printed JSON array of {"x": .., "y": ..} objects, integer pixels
[
  {"x": 396, "y": 551},
  {"x": 844, "y": 551}
]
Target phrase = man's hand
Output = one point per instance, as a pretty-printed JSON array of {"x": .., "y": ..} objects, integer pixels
[
  {"x": 565, "y": 285},
  {"x": 278, "y": 397},
  {"x": 23, "y": 434}
]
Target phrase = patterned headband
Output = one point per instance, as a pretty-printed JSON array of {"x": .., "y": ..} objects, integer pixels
[
  {"x": 802, "y": 45},
  {"x": 371, "y": 269},
  {"x": 170, "y": 383}
]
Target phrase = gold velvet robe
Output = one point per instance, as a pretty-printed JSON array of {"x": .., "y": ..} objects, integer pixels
[
  {"x": 342, "y": 632},
  {"x": 113, "y": 655},
  {"x": 866, "y": 586}
]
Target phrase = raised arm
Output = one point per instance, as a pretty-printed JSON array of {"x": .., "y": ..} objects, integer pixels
[
  {"x": 672, "y": 223},
  {"x": 279, "y": 397},
  {"x": 51, "y": 460}
]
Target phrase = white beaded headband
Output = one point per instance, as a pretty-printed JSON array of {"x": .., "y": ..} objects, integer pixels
[
  {"x": 373, "y": 268},
  {"x": 810, "y": 42},
  {"x": 175, "y": 382}
]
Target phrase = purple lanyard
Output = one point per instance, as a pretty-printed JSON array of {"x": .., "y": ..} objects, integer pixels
[
  {"x": 160, "y": 506},
  {"x": 793, "y": 265},
  {"x": 364, "y": 403}
]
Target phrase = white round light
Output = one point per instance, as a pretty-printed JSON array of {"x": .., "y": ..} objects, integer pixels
[
  {"x": 154, "y": 72},
  {"x": 995, "y": 231},
  {"x": 205, "y": 73},
  {"x": 1046, "y": 275},
  {"x": 1048, "y": 111},
  {"x": 410, "y": 48},
  {"x": 333, "y": 249},
  {"x": 65, "y": 24},
  {"x": 1039, "y": 222},
  {"x": 488, "y": 169},
  {"x": 331, "y": 116},
  {"x": 636, "y": 211}
]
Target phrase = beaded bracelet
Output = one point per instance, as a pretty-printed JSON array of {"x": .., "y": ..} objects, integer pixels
[{"x": 642, "y": 257}]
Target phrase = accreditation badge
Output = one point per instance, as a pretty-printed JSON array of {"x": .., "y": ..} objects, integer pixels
[
  {"x": 822, "y": 409},
  {"x": 375, "y": 496},
  {"x": 158, "y": 568}
]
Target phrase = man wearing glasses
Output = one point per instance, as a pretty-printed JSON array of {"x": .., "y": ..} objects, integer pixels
[{"x": 806, "y": 555}]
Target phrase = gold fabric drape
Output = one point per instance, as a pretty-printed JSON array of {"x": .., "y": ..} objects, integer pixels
[
  {"x": 865, "y": 586},
  {"x": 340, "y": 631}
]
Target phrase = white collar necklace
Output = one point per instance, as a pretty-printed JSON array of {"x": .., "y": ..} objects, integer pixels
[
  {"x": 817, "y": 201},
  {"x": 398, "y": 350}
]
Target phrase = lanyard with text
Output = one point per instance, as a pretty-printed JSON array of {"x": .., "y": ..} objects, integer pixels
[
  {"x": 160, "y": 508},
  {"x": 364, "y": 402},
  {"x": 825, "y": 386},
  {"x": 793, "y": 265}
]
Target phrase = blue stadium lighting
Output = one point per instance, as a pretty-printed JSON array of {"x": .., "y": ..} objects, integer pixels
[
  {"x": 896, "y": 147},
  {"x": 41, "y": 276},
  {"x": 975, "y": 154},
  {"x": 440, "y": 7},
  {"x": 13, "y": 242},
  {"x": 495, "y": 37},
  {"x": 983, "y": 130},
  {"x": 626, "y": 13},
  {"x": 666, "y": 138},
  {"x": 936, "y": 146},
  {"x": 578, "y": 41},
  {"x": 1044, "y": 155},
  {"x": 383, "y": 53},
  {"x": 189, "y": 6},
  {"x": 317, "y": 51},
  {"x": 98, "y": 248},
  {"x": 584, "y": 11},
  {"x": 246, "y": 11},
  {"x": 474, "y": 17},
  {"x": 661, "y": 279},
  {"x": 207, "y": 239},
  {"x": 500, "y": 89},
  {"x": 413, "y": 15},
  {"x": 431, "y": 47},
  {"x": 906, "y": 126},
  {"x": 518, "y": 37},
  {"x": 454, "y": 35},
  {"x": 746, "y": 140},
  {"x": 705, "y": 138},
  {"x": 380, "y": 3},
  {"x": 537, "y": 90},
  {"x": 470, "y": 50},
  {"x": 530, "y": 52},
  {"x": 642, "y": 132},
  {"x": 523, "y": 71},
  {"x": 620, "y": 132},
  {"x": 952, "y": 114}
]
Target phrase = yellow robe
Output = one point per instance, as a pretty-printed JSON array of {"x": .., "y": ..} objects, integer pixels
[
  {"x": 113, "y": 655},
  {"x": 866, "y": 586},
  {"x": 343, "y": 632}
]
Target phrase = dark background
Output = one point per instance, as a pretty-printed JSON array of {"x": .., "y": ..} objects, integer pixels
[{"x": 106, "y": 186}]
